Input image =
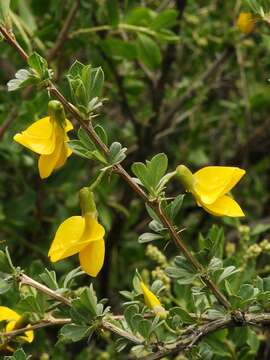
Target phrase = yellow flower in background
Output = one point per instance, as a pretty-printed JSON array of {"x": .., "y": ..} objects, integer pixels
[
  {"x": 48, "y": 138},
  {"x": 81, "y": 235},
  {"x": 210, "y": 186},
  {"x": 15, "y": 321},
  {"x": 246, "y": 22},
  {"x": 152, "y": 302}
]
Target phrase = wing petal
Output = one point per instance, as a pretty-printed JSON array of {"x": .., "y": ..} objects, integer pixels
[
  {"x": 224, "y": 206},
  {"x": 92, "y": 257}
]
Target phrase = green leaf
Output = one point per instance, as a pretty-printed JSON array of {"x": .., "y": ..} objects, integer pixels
[
  {"x": 6, "y": 282},
  {"x": 144, "y": 328},
  {"x": 183, "y": 315},
  {"x": 182, "y": 271},
  {"x": 22, "y": 79},
  {"x": 39, "y": 64},
  {"x": 97, "y": 81},
  {"x": 119, "y": 48},
  {"x": 4, "y": 264},
  {"x": 129, "y": 314},
  {"x": 4, "y": 10},
  {"x": 165, "y": 19},
  {"x": 80, "y": 150},
  {"x": 73, "y": 332},
  {"x": 121, "y": 344},
  {"x": 18, "y": 355},
  {"x": 259, "y": 229},
  {"x": 148, "y": 51},
  {"x": 26, "y": 14},
  {"x": 101, "y": 134},
  {"x": 151, "y": 173},
  {"x": 174, "y": 207},
  {"x": 148, "y": 237},
  {"x": 228, "y": 271},
  {"x": 49, "y": 278},
  {"x": 113, "y": 12},
  {"x": 157, "y": 167},
  {"x": 85, "y": 139},
  {"x": 116, "y": 153},
  {"x": 141, "y": 171},
  {"x": 141, "y": 16}
]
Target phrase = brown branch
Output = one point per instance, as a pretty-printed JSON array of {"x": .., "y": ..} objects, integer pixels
[
  {"x": 63, "y": 35},
  {"x": 134, "y": 186},
  {"x": 105, "y": 324},
  {"x": 26, "y": 280},
  {"x": 51, "y": 321},
  {"x": 189, "y": 340}
]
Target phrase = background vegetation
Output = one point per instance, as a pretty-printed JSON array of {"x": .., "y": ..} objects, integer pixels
[{"x": 180, "y": 78}]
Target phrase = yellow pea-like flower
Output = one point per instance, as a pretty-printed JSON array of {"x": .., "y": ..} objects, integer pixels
[
  {"x": 81, "y": 235},
  {"x": 246, "y": 22},
  {"x": 210, "y": 185},
  {"x": 48, "y": 138},
  {"x": 14, "y": 321},
  {"x": 152, "y": 302}
]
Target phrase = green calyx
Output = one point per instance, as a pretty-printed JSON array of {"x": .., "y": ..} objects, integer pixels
[
  {"x": 56, "y": 112},
  {"x": 186, "y": 177},
  {"x": 22, "y": 322},
  {"x": 87, "y": 202}
]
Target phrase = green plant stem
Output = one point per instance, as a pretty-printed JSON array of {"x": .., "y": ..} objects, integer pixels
[
  {"x": 121, "y": 26},
  {"x": 155, "y": 205},
  {"x": 195, "y": 335}
]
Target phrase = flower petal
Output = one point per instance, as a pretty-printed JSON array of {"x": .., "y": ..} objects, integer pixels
[
  {"x": 224, "y": 206},
  {"x": 8, "y": 314},
  {"x": 93, "y": 230},
  {"x": 67, "y": 239},
  {"x": 39, "y": 137},
  {"x": 47, "y": 163},
  {"x": 92, "y": 257},
  {"x": 212, "y": 182},
  {"x": 150, "y": 299},
  {"x": 64, "y": 154},
  {"x": 68, "y": 126},
  {"x": 29, "y": 336}
]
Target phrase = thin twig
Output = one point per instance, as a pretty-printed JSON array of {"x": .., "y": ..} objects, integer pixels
[
  {"x": 51, "y": 321},
  {"x": 105, "y": 324},
  {"x": 184, "y": 343},
  {"x": 26, "y": 280},
  {"x": 63, "y": 35}
]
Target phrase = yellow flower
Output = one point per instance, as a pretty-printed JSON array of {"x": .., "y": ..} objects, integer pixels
[
  {"x": 210, "y": 185},
  {"x": 48, "y": 138},
  {"x": 246, "y": 22},
  {"x": 15, "y": 321},
  {"x": 83, "y": 235},
  {"x": 152, "y": 302}
]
